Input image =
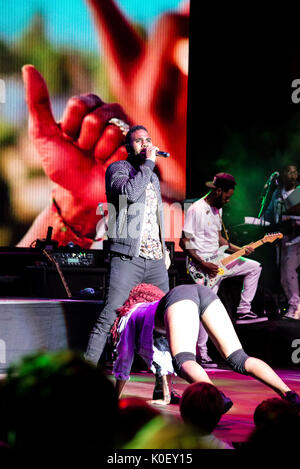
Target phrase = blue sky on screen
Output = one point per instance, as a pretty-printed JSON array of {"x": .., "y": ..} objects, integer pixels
[{"x": 69, "y": 22}]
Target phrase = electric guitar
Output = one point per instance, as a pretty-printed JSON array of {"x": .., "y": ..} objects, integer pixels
[{"x": 222, "y": 261}]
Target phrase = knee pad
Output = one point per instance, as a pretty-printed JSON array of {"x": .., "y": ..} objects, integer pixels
[
  {"x": 236, "y": 361},
  {"x": 179, "y": 360}
]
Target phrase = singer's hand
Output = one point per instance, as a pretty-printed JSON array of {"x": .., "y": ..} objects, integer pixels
[
  {"x": 74, "y": 155},
  {"x": 150, "y": 152}
]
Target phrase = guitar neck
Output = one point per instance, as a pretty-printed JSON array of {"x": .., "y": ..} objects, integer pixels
[{"x": 240, "y": 252}]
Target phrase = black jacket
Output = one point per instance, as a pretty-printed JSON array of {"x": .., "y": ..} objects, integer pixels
[{"x": 126, "y": 184}]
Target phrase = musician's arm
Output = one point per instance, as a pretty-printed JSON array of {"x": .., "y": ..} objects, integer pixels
[
  {"x": 231, "y": 247},
  {"x": 186, "y": 244}
]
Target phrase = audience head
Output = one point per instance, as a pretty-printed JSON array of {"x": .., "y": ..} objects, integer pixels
[
  {"x": 277, "y": 425},
  {"x": 134, "y": 413},
  {"x": 58, "y": 401},
  {"x": 202, "y": 406}
]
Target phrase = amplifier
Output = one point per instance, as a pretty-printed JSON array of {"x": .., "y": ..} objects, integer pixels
[{"x": 75, "y": 259}]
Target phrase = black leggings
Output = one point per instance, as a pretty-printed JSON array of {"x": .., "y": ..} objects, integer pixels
[{"x": 199, "y": 294}]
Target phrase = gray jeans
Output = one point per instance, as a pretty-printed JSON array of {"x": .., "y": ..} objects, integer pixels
[
  {"x": 125, "y": 273},
  {"x": 290, "y": 261}
]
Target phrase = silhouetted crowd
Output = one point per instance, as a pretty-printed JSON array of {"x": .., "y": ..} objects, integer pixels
[{"x": 60, "y": 403}]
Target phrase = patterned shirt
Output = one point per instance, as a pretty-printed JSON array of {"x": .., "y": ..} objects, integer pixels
[{"x": 150, "y": 246}]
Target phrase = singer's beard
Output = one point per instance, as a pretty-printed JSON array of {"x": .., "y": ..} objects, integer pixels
[
  {"x": 218, "y": 202},
  {"x": 142, "y": 155},
  {"x": 138, "y": 158}
]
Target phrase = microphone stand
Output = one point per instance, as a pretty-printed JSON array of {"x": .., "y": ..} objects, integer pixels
[{"x": 265, "y": 197}]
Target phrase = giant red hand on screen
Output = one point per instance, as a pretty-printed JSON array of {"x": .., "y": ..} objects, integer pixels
[
  {"x": 149, "y": 82},
  {"x": 149, "y": 79},
  {"x": 74, "y": 155}
]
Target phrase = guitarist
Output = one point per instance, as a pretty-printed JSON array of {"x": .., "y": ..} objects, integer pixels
[{"x": 201, "y": 238}]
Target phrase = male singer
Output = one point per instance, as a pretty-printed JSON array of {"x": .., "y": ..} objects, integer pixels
[{"x": 136, "y": 231}]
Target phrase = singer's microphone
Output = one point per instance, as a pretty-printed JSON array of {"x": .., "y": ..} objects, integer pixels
[
  {"x": 163, "y": 153},
  {"x": 273, "y": 176}
]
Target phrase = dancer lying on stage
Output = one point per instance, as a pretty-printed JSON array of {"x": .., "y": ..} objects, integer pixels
[{"x": 178, "y": 314}]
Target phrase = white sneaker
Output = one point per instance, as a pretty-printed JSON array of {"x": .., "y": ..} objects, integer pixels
[
  {"x": 293, "y": 312},
  {"x": 249, "y": 318}
]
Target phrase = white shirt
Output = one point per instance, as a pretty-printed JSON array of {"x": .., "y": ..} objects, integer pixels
[{"x": 204, "y": 223}]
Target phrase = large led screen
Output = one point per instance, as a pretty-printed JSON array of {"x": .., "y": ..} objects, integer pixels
[{"x": 130, "y": 59}]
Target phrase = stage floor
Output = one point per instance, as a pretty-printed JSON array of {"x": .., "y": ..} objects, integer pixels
[{"x": 245, "y": 392}]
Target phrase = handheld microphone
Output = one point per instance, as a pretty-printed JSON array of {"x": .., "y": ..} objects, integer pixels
[
  {"x": 164, "y": 154},
  {"x": 273, "y": 176}
]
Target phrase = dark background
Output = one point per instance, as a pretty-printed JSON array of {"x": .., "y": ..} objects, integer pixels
[{"x": 241, "y": 118}]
